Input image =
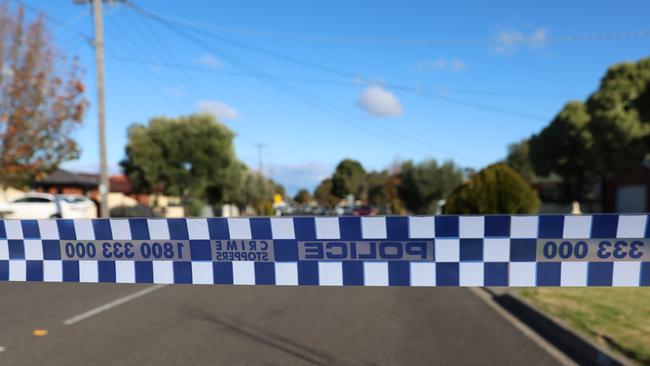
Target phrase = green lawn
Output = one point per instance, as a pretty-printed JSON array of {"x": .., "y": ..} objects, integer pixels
[{"x": 616, "y": 317}]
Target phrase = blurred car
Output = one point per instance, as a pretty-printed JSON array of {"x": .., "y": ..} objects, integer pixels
[
  {"x": 43, "y": 205},
  {"x": 77, "y": 206},
  {"x": 364, "y": 210}
]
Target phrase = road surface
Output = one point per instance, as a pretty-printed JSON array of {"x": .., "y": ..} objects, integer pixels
[{"x": 91, "y": 324}]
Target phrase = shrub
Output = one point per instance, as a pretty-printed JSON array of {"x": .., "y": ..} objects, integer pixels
[
  {"x": 495, "y": 189},
  {"x": 194, "y": 207}
]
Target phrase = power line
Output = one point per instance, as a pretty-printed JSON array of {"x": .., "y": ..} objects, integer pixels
[
  {"x": 405, "y": 88},
  {"x": 440, "y": 90},
  {"x": 296, "y": 93},
  {"x": 153, "y": 39},
  {"x": 335, "y": 71},
  {"x": 132, "y": 45},
  {"x": 117, "y": 37},
  {"x": 58, "y": 22},
  {"x": 77, "y": 18},
  {"x": 90, "y": 42},
  {"x": 565, "y": 38}
]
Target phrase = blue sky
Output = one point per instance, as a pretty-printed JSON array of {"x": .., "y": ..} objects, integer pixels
[{"x": 374, "y": 80}]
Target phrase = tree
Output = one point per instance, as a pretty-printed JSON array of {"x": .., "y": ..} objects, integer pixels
[
  {"x": 382, "y": 191},
  {"x": 519, "y": 159},
  {"x": 40, "y": 102},
  {"x": 258, "y": 193},
  {"x": 323, "y": 194},
  {"x": 495, "y": 189},
  {"x": 190, "y": 156},
  {"x": 349, "y": 178},
  {"x": 302, "y": 197},
  {"x": 620, "y": 117},
  {"x": 232, "y": 191},
  {"x": 421, "y": 185},
  {"x": 565, "y": 147}
]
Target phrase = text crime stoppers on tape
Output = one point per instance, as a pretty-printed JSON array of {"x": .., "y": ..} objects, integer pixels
[{"x": 494, "y": 250}]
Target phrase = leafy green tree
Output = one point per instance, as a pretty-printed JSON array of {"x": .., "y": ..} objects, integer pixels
[
  {"x": 382, "y": 191},
  {"x": 620, "y": 117},
  {"x": 258, "y": 192},
  {"x": 232, "y": 190},
  {"x": 519, "y": 159},
  {"x": 349, "y": 177},
  {"x": 323, "y": 194},
  {"x": 302, "y": 197},
  {"x": 191, "y": 156},
  {"x": 565, "y": 147},
  {"x": 495, "y": 189},
  {"x": 252, "y": 191},
  {"x": 422, "y": 184}
]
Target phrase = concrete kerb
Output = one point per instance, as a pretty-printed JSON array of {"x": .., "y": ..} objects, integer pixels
[{"x": 575, "y": 345}]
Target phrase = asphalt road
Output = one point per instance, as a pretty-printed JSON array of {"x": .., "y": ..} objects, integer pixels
[{"x": 213, "y": 325}]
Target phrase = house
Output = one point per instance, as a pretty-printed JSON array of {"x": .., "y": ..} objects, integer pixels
[
  {"x": 628, "y": 192},
  {"x": 66, "y": 182},
  {"x": 123, "y": 201},
  {"x": 121, "y": 197},
  {"x": 622, "y": 192}
]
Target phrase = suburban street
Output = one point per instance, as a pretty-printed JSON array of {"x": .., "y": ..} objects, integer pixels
[{"x": 211, "y": 325}]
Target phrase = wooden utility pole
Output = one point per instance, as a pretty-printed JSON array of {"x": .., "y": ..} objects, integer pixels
[{"x": 104, "y": 184}]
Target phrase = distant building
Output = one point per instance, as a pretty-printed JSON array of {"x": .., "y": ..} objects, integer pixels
[
  {"x": 628, "y": 192},
  {"x": 66, "y": 182},
  {"x": 622, "y": 192},
  {"x": 123, "y": 201}
]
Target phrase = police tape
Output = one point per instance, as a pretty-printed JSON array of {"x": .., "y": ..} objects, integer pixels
[{"x": 493, "y": 250}]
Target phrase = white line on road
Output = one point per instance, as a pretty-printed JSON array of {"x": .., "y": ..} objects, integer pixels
[{"x": 110, "y": 305}]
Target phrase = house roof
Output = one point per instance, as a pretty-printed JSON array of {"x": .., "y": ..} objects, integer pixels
[
  {"x": 120, "y": 183},
  {"x": 62, "y": 177}
]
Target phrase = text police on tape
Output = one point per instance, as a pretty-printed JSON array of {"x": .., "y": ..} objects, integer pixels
[{"x": 366, "y": 250}]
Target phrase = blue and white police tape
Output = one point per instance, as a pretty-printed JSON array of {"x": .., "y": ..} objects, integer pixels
[{"x": 499, "y": 250}]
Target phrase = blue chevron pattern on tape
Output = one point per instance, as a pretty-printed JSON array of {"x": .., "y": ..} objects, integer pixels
[{"x": 492, "y": 250}]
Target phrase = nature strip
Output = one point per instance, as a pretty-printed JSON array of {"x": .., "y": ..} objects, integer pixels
[{"x": 491, "y": 250}]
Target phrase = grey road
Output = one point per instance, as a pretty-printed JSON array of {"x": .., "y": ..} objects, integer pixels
[{"x": 212, "y": 325}]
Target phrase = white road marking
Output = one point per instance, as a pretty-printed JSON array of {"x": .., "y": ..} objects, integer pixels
[
  {"x": 110, "y": 305},
  {"x": 2, "y": 348}
]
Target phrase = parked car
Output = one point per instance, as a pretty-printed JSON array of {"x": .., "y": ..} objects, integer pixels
[
  {"x": 365, "y": 210},
  {"x": 43, "y": 205}
]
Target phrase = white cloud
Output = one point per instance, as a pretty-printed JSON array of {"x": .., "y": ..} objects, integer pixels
[
  {"x": 219, "y": 109},
  {"x": 457, "y": 64},
  {"x": 438, "y": 64},
  {"x": 177, "y": 92},
  {"x": 441, "y": 64},
  {"x": 210, "y": 61},
  {"x": 539, "y": 37},
  {"x": 379, "y": 102},
  {"x": 300, "y": 175},
  {"x": 510, "y": 41}
]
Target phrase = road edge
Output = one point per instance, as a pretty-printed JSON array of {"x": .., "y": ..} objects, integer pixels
[
  {"x": 565, "y": 339},
  {"x": 528, "y": 332}
]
